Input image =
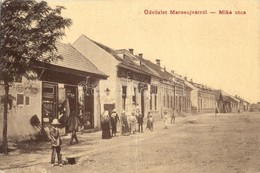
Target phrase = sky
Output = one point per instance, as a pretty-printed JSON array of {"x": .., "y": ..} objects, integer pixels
[{"x": 221, "y": 51}]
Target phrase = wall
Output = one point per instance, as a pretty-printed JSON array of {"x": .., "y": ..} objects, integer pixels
[
  {"x": 104, "y": 62},
  {"x": 19, "y": 116}
]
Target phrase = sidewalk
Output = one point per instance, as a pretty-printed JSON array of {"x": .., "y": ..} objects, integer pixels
[{"x": 37, "y": 154}]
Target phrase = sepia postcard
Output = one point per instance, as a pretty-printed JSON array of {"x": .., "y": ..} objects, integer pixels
[{"x": 130, "y": 86}]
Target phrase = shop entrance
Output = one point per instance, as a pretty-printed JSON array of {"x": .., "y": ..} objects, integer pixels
[
  {"x": 49, "y": 102},
  {"x": 89, "y": 109}
]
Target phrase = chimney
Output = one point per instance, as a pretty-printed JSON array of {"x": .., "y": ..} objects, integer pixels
[
  {"x": 185, "y": 78},
  {"x": 131, "y": 51},
  {"x": 140, "y": 55},
  {"x": 164, "y": 69},
  {"x": 191, "y": 80},
  {"x": 158, "y": 62},
  {"x": 172, "y": 71}
]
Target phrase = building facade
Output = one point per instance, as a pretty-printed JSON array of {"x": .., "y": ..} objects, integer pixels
[
  {"x": 57, "y": 83},
  {"x": 129, "y": 84}
]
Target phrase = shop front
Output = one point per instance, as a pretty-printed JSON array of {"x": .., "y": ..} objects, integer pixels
[
  {"x": 65, "y": 95},
  {"x": 70, "y": 88}
]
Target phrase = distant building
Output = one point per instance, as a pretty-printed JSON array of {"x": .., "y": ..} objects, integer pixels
[
  {"x": 162, "y": 89},
  {"x": 206, "y": 98},
  {"x": 226, "y": 102},
  {"x": 255, "y": 107}
]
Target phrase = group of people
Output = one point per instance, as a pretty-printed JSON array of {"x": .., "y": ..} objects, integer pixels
[
  {"x": 128, "y": 123},
  {"x": 109, "y": 124}
]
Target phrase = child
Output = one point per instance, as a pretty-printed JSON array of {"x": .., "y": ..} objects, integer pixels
[{"x": 55, "y": 142}]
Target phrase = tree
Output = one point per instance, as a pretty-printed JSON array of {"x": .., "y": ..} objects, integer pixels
[{"x": 29, "y": 30}]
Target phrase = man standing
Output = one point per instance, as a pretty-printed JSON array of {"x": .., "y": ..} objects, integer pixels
[
  {"x": 140, "y": 120},
  {"x": 114, "y": 121}
]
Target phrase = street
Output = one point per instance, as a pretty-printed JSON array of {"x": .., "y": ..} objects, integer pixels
[{"x": 200, "y": 143}]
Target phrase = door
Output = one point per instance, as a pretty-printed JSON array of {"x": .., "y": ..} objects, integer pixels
[
  {"x": 142, "y": 103},
  {"x": 49, "y": 102},
  {"x": 89, "y": 109}
]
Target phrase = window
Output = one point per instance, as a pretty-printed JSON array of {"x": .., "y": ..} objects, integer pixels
[
  {"x": 20, "y": 99},
  {"x": 134, "y": 97},
  {"x": 18, "y": 79},
  {"x": 49, "y": 90},
  {"x": 171, "y": 102},
  {"x": 123, "y": 96},
  {"x": 155, "y": 102},
  {"x": 151, "y": 101},
  {"x": 168, "y": 101},
  {"x": 27, "y": 100},
  {"x": 164, "y": 100}
]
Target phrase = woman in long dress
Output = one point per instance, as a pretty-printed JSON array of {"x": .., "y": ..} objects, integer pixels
[
  {"x": 105, "y": 125},
  {"x": 124, "y": 122},
  {"x": 132, "y": 123}
]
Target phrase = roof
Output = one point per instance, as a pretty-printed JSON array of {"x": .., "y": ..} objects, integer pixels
[
  {"x": 134, "y": 62},
  {"x": 159, "y": 70},
  {"x": 126, "y": 63},
  {"x": 222, "y": 95},
  {"x": 73, "y": 59}
]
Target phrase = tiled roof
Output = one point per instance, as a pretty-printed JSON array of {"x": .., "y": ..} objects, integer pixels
[
  {"x": 125, "y": 62},
  {"x": 160, "y": 71},
  {"x": 72, "y": 59}
]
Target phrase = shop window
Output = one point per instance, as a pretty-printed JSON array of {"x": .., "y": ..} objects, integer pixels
[
  {"x": 134, "y": 97},
  {"x": 20, "y": 99},
  {"x": 155, "y": 102},
  {"x": 27, "y": 100},
  {"x": 49, "y": 90},
  {"x": 124, "y": 96}
]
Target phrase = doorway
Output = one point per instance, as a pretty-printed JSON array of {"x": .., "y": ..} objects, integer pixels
[{"x": 49, "y": 102}]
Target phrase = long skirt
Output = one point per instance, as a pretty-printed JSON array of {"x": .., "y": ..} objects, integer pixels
[
  {"x": 132, "y": 127},
  {"x": 106, "y": 131}
]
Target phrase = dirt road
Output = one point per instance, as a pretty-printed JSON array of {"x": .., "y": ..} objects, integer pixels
[{"x": 203, "y": 143}]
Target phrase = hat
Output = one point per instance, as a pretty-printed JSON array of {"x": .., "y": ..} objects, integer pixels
[
  {"x": 55, "y": 122},
  {"x": 114, "y": 110}
]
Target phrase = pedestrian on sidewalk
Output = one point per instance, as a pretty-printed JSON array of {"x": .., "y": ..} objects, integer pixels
[
  {"x": 150, "y": 122},
  {"x": 55, "y": 142},
  {"x": 173, "y": 117},
  {"x": 216, "y": 112},
  {"x": 73, "y": 123},
  {"x": 132, "y": 122},
  {"x": 105, "y": 125},
  {"x": 114, "y": 121},
  {"x": 140, "y": 120},
  {"x": 124, "y": 123},
  {"x": 165, "y": 120}
]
